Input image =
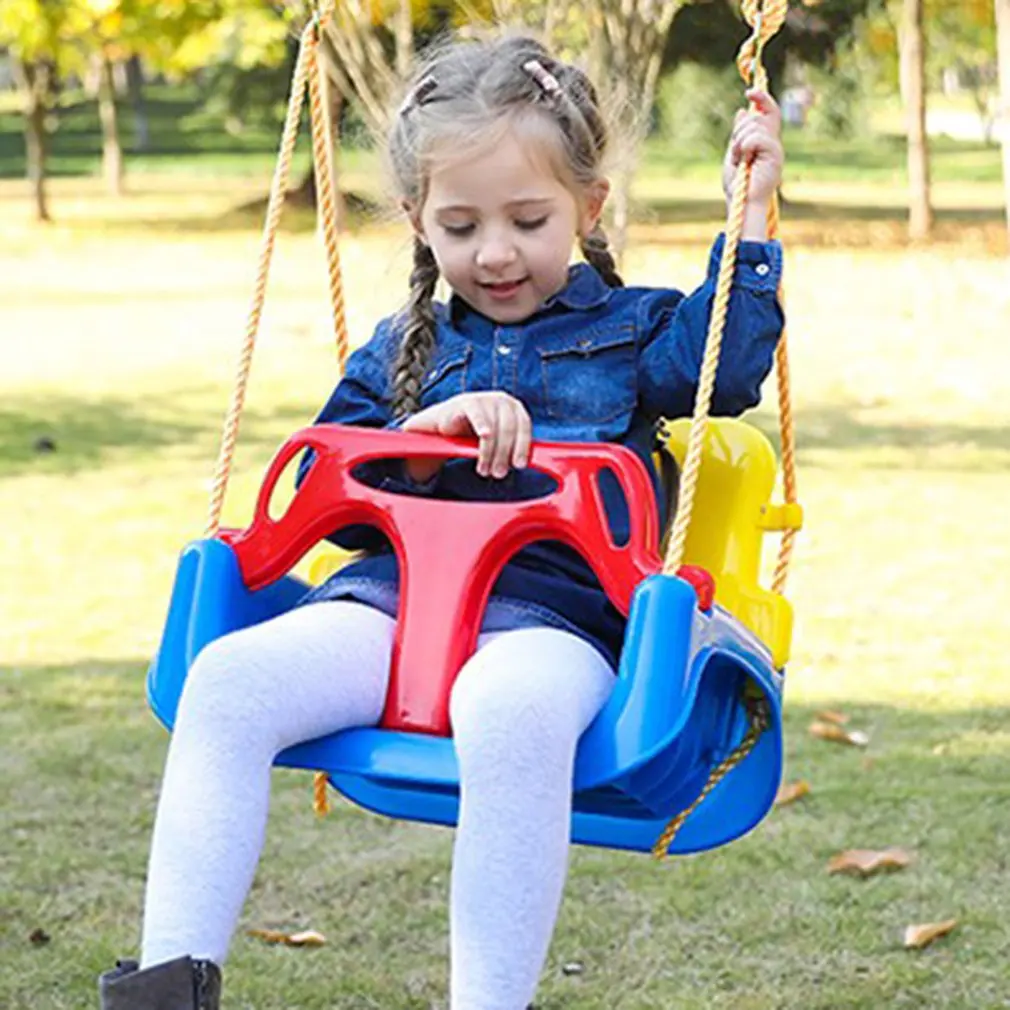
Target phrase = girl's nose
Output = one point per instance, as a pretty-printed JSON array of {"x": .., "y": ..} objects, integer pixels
[{"x": 495, "y": 253}]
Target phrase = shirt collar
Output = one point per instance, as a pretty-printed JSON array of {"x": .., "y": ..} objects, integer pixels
[{"x": 585, "y": 289}]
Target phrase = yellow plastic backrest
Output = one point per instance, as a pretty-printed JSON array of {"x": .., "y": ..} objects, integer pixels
[
  {"x": 730, "y": 515},
  {"x": 327, "y": 562}
]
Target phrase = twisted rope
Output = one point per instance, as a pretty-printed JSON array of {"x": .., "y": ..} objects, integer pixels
[
  {"x": 306, "y": 71},
  {"x": 322, "y": 154},
  {"x": 765, "y": 17},
  {"x": 759, "y": 719}
]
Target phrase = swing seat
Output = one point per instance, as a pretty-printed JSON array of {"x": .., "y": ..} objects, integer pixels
[{"x": 686, "y": 676}]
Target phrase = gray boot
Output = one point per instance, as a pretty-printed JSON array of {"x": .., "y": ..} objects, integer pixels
[{"x": 182, "y": 984}]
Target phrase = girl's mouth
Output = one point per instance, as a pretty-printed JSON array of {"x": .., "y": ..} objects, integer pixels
[{"x": 504, "y": 289}]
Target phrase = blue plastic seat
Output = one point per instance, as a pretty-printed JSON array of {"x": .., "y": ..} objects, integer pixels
[{"x": 677, "y": 710}]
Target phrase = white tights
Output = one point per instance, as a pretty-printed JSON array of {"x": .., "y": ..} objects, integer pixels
[{"x": 518, "y": 708}]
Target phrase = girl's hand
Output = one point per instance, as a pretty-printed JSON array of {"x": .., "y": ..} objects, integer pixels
[
  {"x": 756, "y": 139},
  {"x": 500, "y": 423}
]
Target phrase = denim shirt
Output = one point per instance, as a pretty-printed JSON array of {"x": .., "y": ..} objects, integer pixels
[{"x": 593, "y": 364}]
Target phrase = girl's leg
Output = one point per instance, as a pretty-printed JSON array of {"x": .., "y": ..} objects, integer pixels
[
  {"x": 518, "y": 709},
  {"x": 311, "y": 671}
]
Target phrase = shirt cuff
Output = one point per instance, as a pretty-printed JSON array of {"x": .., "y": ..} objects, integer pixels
[{"x": 758, "y": 264}]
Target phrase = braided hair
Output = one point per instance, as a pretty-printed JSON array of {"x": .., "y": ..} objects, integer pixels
[{"x": 418, "y": 342}]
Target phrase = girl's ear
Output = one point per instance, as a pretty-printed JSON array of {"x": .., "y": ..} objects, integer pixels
[
  {"x": 595, "y": 194},
  {"x": 413, "y": 213}
]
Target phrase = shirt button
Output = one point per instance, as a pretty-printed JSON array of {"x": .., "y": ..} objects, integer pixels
[
  {"x": 502, "y": 349},
  {"x": 762, "y": 269}
]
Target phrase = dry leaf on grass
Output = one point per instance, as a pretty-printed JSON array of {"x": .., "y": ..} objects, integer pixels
[
  {"x": 866, "y": 862},
  {"x": 837, "y": 734},
  {"x": 306, "y": 938},
  {"x": 917, "y": 937},
  {"x": 790, "y": 792},
  {"x": 836, "y": 718}
]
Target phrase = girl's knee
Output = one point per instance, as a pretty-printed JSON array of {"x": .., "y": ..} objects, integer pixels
[{"x": 222, "y": 681}]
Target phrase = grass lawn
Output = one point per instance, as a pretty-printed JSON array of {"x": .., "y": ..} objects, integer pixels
[{"x": 118, "y": 329}]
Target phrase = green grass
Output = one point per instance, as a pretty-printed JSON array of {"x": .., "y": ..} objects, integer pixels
[{"x": 120, "y": 325}]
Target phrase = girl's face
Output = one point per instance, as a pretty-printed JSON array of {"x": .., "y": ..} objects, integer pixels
[{"x": 502, "y": 225}]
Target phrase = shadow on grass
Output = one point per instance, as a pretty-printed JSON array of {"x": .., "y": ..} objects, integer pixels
[
  {"x": 65, "y": 434},
  {"x": 84, "y": 757},
  {"x": 666, "y": 211},
  {"x": 299, "y": 217},
  {"x": 897, "y": 446}
]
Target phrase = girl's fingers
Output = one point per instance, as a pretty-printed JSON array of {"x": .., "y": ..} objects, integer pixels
[
  {"x": 500, "y": 423},
  {"x": 524, "y": 436},
  {"x": 427, "y": 420},
  {"x": 483, "y": 427},
  {"x": 762, "y": 101},
  {"x": 505, "y": 436},
  {"x": 448, "y": 419}
]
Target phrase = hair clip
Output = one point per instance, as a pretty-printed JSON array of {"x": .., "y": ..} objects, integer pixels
[
  {"x": 549, "y": 84},
  {"x": 419, "y": 94}
]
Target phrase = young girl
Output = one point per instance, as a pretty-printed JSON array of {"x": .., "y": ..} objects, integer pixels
[{"x": 497, "y": 153}]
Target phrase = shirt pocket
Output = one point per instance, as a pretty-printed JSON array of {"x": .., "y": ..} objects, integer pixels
[
  {"x": 590, "y": 375},
  {"x": 446, "y": 376}
]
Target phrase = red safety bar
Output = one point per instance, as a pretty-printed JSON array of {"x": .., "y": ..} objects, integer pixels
[{"x": 450, "y": 553}]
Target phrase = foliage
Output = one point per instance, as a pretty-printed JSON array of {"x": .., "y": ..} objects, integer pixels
[
  {"x": 839, "y": 108},
  {"x": 69, "y": 32},
  {"x": 696, "y": 104},
  {"x": 959, "y": 33}
]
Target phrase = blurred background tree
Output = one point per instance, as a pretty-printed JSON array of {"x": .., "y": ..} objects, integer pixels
[{"x": 667, "y": 67}]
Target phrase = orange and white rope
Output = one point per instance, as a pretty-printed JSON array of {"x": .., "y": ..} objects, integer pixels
[
  {"x": 306, "y": 72},
  {"x": 765, "y": 17}
]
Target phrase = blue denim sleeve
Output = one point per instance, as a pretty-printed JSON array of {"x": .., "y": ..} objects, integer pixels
[
  {"x": 364, "y": 397},
  {"x": 672, "y": 328}
]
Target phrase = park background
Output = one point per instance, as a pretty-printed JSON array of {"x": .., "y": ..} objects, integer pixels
[{"x": 136, "y": 145}]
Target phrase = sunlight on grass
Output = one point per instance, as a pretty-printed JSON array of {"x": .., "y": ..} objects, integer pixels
[{"x": 120, "y": 347}]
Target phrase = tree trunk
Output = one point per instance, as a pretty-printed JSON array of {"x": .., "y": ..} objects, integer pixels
[
  {"x": 1003, "y": 48},
  {"x": 34, "y": 80},
  {"x": 135, "y": 89},
  {"x": 626, "y": 46},
  {"x": 404, "y": 35},
  {"x": 112, "y": 152},
  {"x": 913, "y": 74}
]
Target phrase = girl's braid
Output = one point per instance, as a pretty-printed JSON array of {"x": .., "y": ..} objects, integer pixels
[
  {"x": 596, "y": 249},
  {"x": 418, "y": 341}
]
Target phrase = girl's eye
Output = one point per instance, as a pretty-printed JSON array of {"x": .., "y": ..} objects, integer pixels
[
  {"x": 458, "y": 230},
  {"x": 532, "y": 225}
]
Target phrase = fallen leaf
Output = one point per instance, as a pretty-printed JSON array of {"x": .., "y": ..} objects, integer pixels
[
  {"x": 790, "y": 792},
  {"x": 267, "y": 935},
  {"x": 572, "y": 968},
  {"x": 837, "y": 734},
  {"x": 306, "y": 938},
  {"x": 917, "y": 937},
  {"x": 38, "y": 937},
  {"x": 866, "y": 862},
  {"x": 836, "y": 718}
]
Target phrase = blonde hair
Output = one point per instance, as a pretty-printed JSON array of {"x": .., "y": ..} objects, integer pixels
[{"x": 463, "y": 91}]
